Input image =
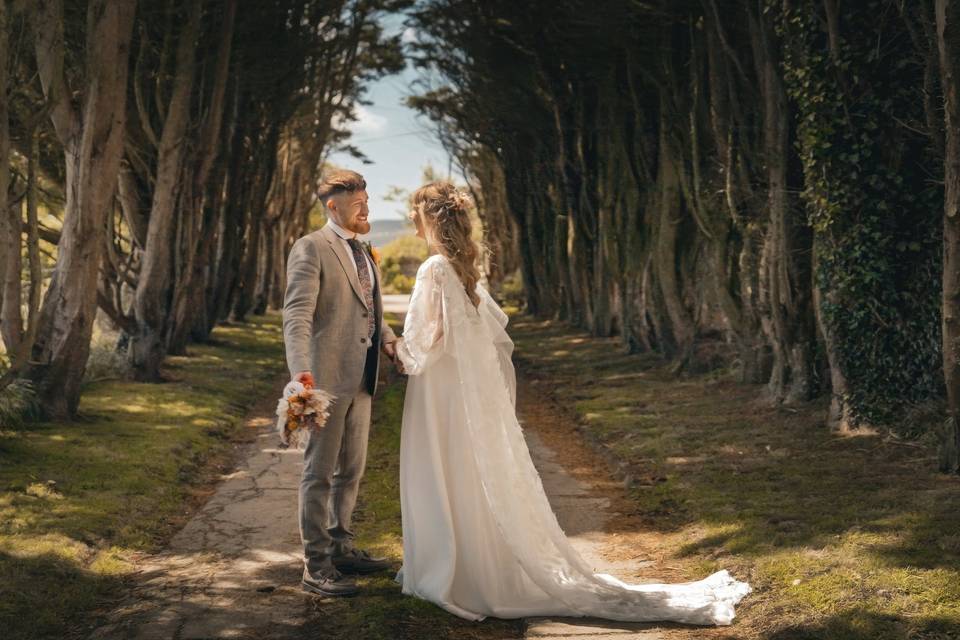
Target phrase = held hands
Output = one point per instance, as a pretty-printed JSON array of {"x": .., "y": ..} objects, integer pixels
[{"x": 390, "y": 349}]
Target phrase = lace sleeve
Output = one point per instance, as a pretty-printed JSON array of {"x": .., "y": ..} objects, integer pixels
[{"x": 423, "y": 327}]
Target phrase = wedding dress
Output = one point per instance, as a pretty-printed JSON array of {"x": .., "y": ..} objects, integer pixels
[{"x": 479, "y": 536}]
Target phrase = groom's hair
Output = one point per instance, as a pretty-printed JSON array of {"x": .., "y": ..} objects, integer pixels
[{"x": 339, "y": 181}]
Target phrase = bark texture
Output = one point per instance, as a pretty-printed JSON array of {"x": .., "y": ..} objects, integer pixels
[
  {"x": 948, "y": 40},
  {"x": 91, "y": 132}
]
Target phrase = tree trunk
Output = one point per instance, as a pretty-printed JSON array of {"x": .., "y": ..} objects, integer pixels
[
  {"x": 604, "y": 286},
  {"x": 205, "y": 267},
  {"x": 11, "y": 319},
  {"x": 655, "y": 311},
  {"x": 191, "y": 284},
  {"x": 228, "y": 248},
  {"x": 635, "y": 326},
  {"x": 948, "y": 39},
  {"x": 840, "y": 418},
  {"x": 665, "y": 254},
  {"x": 500, "y": 229},
  {"x": 786, "y": 263},
  {"x": 186, "y": 238},
  {"x": 33, "y": 238},
  {"x": 231, "y": 220},
  {"x": 265, "y": 164},
  {"x": 134, "y": 213},
  {"x": 571, "y": 305},
  {"x": 274, "y": 266},
  {"x": 154, "y": 297},
  {"x": 247, "y": 278},
  {"x": 266, "y": 263},
  {"x": 93, "y": 145}
]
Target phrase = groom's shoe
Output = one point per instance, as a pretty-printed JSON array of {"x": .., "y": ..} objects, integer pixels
[
  {"x": 357, "y": 561},
  {"x": 331, "y": 584}
]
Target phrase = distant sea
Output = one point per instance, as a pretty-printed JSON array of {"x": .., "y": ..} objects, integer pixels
[{"x": 384, "y": 231}]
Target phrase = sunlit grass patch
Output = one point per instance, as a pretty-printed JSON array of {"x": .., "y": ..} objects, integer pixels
[
  {"x": 76, "y": 498},
  {"x": 841, "y": 538}
]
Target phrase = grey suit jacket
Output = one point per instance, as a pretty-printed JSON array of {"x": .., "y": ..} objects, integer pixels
[{"x": 325, "y": 316}]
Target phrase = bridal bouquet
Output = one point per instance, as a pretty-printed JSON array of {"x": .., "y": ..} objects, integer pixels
[{"x": 301, "y": 408}]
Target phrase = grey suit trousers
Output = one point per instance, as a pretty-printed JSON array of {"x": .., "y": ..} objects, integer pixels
[{"x": 330, "y": 484}]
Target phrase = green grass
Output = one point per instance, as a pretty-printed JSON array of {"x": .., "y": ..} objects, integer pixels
[
  {"x": 382, "y": 612},
  {"x": 842, "y": 538},
  {"x": 77, "y": 498}
]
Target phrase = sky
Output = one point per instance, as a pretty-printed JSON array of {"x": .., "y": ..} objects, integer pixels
[{"x": 398, "y": 142}]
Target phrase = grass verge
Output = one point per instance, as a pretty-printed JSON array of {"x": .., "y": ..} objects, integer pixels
[
  {"x": 77, "y": 499},
  {"x": 842, "y": 538}
]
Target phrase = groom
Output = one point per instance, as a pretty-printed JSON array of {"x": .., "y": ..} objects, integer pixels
[{"x": 333, "y": 330}]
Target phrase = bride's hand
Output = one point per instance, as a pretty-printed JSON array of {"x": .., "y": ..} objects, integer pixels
[{"x": 396, "y": 356}]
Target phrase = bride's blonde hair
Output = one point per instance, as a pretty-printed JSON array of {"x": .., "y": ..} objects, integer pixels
[{"x": 445, "y": 211}]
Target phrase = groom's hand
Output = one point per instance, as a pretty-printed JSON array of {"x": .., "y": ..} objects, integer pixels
[
  {"x": 390, "y": 348},
  {"x": 394, "y": 357},
  {"x": 305, "y": 378}
]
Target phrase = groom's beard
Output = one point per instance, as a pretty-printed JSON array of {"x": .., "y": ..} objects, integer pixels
[{"x": 360, "y": 227}]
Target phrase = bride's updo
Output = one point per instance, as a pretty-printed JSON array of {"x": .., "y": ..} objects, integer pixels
[{"x": 445, "y": 211}]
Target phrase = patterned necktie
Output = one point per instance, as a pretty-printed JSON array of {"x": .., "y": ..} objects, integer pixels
[{"x": 366, "y": 283}]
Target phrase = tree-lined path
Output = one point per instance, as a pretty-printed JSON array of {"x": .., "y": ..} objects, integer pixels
[
  {"x": 699, "y": 483},
  {"x": 726, "y": 232}
]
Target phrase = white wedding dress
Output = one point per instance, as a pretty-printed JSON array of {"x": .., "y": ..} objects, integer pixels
[{"x": 479, "y": 536}]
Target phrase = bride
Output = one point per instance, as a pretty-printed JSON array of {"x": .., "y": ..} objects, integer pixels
[{"x": 479, "y": 536}]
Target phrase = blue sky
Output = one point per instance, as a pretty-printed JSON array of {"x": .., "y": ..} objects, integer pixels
[{"x": 399, "y": 143}]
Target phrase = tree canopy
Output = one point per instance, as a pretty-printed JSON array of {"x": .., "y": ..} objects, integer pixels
[{"x": 760, "y": 177}]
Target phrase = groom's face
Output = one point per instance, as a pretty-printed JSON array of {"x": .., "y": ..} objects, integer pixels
[{"x": 350, "y": 211}]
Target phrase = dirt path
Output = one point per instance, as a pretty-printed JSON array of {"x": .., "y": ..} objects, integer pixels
[
  {"x": 594, "y": 513},
  {"x": 233, "y": 570}
]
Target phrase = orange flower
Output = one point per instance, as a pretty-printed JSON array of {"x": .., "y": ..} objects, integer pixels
[
  {"x": 375, "y": 255},
  {"x": 300, "y": 411}
]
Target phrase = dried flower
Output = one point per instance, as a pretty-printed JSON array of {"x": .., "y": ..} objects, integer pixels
[{"x": 301, "y": 408}]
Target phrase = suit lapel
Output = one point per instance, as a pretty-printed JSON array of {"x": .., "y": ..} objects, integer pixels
[
  {"x": 377, "y": 294},
  {"x": 376, "y": 277},
  {"x": 346, "y": 261}
]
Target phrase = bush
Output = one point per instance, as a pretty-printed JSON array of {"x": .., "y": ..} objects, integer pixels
[
  {"x": 405, "y": 246},
  {"x": 399, "y": 262},
  {"x": 106, "y": 361},
  {"x": 18, "y": 403}
]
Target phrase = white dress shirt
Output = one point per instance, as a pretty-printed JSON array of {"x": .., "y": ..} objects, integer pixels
[{"x": 345, "y": 235}]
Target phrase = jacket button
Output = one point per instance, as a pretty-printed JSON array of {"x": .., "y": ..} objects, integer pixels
[
  {"x": 365, "y": 314},
  {"x": 363, "y": 340}
]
